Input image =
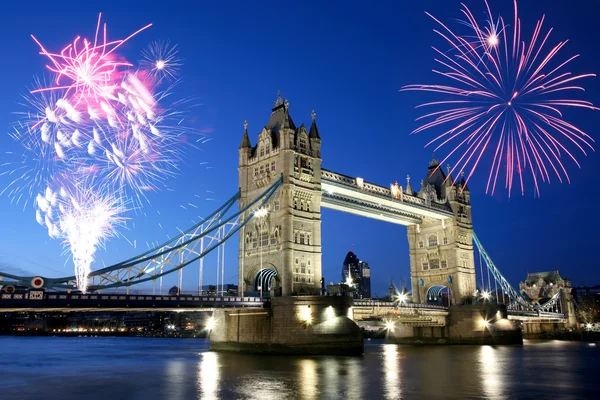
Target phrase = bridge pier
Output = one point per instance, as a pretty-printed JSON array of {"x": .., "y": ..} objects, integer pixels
[
  {"x": 473, "y": 324},
  {"x": 292, "y": 325}
]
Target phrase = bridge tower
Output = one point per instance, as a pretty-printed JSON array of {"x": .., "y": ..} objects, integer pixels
[
  {"x": 441, "y": 252},
  {"x": 287, "y": 237}
]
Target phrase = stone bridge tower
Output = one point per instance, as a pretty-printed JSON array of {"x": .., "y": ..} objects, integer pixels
[
  {"x": 441, "y": 253},
  {"x": 288, "y": 237}
]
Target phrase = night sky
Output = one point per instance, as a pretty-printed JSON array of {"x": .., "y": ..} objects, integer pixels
[{"x": 347, "y": 61}]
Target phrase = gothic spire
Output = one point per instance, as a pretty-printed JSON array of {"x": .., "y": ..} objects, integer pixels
[
  {"x": 314, "y": 131},
  {"x": 245, "y": 139},
  {"x": 409, "y": 190},
  {"x": 449, "y": 181}
]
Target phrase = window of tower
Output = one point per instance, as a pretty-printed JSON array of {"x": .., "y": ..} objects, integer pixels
[
  {"x": 262, "y": 169},
  {"x": 433, "y": 240},
  {"x": 273, "y": 166},
  {"x": 302, "y": 268},
  {"x": 302, "y": 238},
  {"x": 445, "y": 240},
  {"x": 267, "y": 150},
  {"x": 303, "y": 144},
  {"x": 434, "y": 264},
  {"x": 262, "y": 152},
  {"x": 255, "y": 171},
  {"x": 425, "y": 266},
  {"x": 444, "y": 264},
  {"x": 273, "y": 238},
  {"x": 264, "y": 239},
  {"x": 276, "y": 205},
  {"x": 254, "y": 241},
  {"x": 420, "y": 245}
]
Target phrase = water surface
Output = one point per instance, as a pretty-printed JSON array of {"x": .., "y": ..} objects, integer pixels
[{"x": 145, "y": 368}]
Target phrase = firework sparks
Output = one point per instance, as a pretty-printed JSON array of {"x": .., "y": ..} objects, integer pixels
[
  {"x": 162, "y": 60},
  {"x": 506, "y": 98},
  {"x": 95, "y": 137},
  {"x": 84, "y": 219}
]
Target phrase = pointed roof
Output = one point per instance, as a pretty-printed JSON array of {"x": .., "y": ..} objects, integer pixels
[
  {"x": 409, "y": 189},
  {"x": 314, "y": 131},
  {"x": 548, "y": 277},
  {"x": 462, "y": 183},
  {"x": 280, "y": 117},
  {"x": 435, "y": 177},
  {"x": 245, "y": 139},
  {"x": 449, "y": 179}
]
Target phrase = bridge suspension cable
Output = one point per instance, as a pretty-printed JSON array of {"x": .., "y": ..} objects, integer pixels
[
  {"x": 171, "y": 256},
  {"x": 517, "y": 299}
]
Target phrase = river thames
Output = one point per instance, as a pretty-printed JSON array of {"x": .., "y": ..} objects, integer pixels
[{"x": 176, "y": 369}]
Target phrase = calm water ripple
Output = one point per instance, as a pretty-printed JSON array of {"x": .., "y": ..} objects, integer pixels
[{"x": 176, "y": 369}]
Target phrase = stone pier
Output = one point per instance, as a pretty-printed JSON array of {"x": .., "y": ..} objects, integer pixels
[
  {"x": 292, "y": 325},
  {"x": 472, "y": 324}
]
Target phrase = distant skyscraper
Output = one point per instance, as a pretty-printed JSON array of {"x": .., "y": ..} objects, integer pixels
[{"x": 357, "y": 274}]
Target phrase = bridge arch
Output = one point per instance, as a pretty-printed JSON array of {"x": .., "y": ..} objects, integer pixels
[
  {"x": 440, "y": 295},
  {"x": 270, "y": 279}
]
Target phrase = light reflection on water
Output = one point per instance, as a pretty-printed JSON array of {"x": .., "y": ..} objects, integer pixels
[{"x": 174, "y": 369}]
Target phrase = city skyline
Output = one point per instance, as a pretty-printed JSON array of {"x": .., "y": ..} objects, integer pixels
[{"x": 370, "y": 123}]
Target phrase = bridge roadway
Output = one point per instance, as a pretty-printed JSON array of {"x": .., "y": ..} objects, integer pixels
[
  {"x": 430, "y": 315},
  {"x": 41, "y": 301},
  {"x": 363, "y": 310}
]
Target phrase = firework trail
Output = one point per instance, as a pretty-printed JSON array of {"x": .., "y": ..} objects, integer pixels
[
  {"x": 96, "y": 138},
  {"x": 505, "y": 96}
]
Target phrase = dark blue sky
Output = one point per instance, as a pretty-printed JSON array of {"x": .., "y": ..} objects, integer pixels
[{"x": 347, "y": 61}]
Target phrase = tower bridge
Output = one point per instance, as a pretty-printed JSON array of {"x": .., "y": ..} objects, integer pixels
[
  {"x": 282, "y": 189},
  {"x": 287, "y": 237}
]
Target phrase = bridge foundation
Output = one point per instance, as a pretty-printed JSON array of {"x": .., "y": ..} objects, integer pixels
[
  {"x": 292, "y": 325},
  {"x": 473, "y": 324}
]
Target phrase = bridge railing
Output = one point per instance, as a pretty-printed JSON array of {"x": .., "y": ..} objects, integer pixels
[
  {"x": 49, "y": 299},
  {"x": 535, "y": 314},
  {"x": 377, "y": 303}
]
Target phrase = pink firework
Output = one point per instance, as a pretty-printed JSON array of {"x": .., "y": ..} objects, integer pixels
[
  {"x": 505, "y": 97},
  {"x": 92, "y": 69}
]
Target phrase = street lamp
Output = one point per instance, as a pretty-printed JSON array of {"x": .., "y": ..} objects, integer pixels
[{"x": 261, "y": 213}]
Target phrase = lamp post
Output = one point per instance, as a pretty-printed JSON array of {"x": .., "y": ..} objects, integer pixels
[{"x": 261, "y": 213}]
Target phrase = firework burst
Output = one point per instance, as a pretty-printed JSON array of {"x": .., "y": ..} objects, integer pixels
[
  {"x": 162, "y": 60},
  {"x": 95, "y": 138},
  {"x": 505, "y": 96}
]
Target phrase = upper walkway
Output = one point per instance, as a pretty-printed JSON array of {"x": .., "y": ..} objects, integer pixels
[{"x": 355, "y": 196}]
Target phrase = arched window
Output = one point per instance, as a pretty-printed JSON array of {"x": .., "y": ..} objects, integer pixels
[
  {"x": 420, "y": 245},
  {"x": 445, "y": 240},
  {"x": 302, "y": 238},
  {"x": 433, "y": 240}
]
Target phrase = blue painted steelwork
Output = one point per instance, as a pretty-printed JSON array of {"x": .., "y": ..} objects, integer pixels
[
  {"x": 517, "y": 299},
  {"x": 169, "y": 257}
]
